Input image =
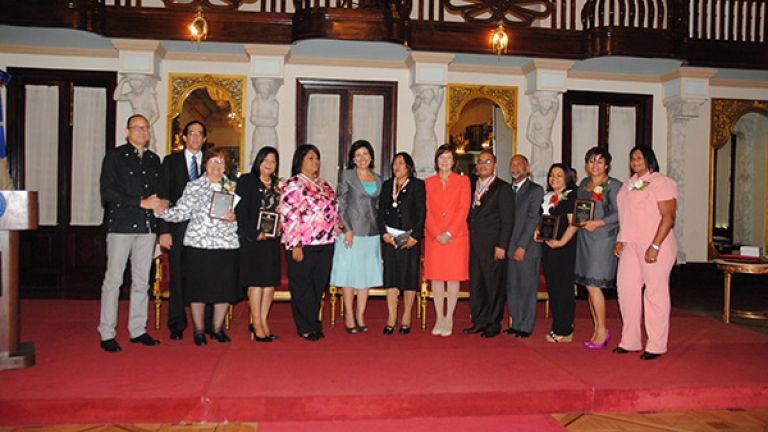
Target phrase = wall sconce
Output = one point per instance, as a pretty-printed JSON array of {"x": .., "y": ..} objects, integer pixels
[
  {"x": 499, "y": 40},
  {"x": 198, "y": 29}
]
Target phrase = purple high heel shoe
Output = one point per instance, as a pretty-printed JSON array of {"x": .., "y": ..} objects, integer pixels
[{"x": 593, "y": 346}]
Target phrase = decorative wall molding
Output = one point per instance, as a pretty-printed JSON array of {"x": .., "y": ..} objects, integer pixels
[
  {"x": 613, "y": 76},
  {"x": 58, "y": 51}
]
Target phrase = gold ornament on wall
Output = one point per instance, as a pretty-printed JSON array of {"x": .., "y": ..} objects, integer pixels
[
  {"x": 725, "y": 114},
  {"x": 460, "y": 94}
]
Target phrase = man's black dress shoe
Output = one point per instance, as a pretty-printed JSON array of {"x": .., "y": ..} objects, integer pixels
[
  {"x": 620, "y": 350},
  {"x": 200, "y": 339},
  {"x": 312, "y": 337},
  {"x": 489, "y": 334},
  {"x": 511, "y": 331},
  {"x": 221, "y": 336},
  {"x": 145, "y": 339},
  {"x": 649, "y": 356},
  {"x": 177, "y": 335},
  {"x": 472, "y": 330},
  {"x": 522, "y": 334},
  {"x": 110, "y": 345}
]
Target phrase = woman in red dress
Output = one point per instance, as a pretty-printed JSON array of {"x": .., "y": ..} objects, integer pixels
[{"x": 446, "y": 243}]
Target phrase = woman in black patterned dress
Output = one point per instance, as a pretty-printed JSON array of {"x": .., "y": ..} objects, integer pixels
[{"x": 260, "y": 262}]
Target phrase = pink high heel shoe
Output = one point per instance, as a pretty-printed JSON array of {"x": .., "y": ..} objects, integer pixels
[{"x": 593, "y": 346}]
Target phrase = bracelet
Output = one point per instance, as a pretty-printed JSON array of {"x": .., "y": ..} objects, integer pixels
[{"x": 655, "y": 246}]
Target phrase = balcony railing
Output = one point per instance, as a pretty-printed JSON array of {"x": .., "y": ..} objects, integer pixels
[{"x": 725, "y": 33}]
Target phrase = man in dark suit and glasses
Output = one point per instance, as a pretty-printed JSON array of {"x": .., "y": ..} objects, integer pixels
[
  {"x": 491, "y": 218},
  {"x": 523, "y": 254},
  {"x": 178, "y": 169}
]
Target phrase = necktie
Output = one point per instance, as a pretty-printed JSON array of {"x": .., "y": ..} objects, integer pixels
[
  {"x": 193, "y": 174},
  {"x": 514, "y": 188}
]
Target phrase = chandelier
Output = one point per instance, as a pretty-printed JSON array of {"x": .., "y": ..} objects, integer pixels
[
  {"x": 499, "y": 40},
  {"x": 198, "y": 28}
]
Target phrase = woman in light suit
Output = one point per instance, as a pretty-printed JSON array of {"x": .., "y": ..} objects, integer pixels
[{"x": 357, "y": 255}]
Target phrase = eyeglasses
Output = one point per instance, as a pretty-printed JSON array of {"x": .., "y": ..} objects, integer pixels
[
  {"x": 216, "y": 161},
  {"x": 484, "y": 161},
  {"x": 138, "y": 128},
  {"x": 195, "y": 133}
]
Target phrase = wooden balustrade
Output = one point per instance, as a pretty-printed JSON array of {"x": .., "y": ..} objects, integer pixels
[{"x": 727, "y": 33}]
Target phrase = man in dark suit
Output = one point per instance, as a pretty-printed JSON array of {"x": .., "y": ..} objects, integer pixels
[
  {"x": 523, "y": 254},
  {"x": 178, "y": 169},
  {"x": 491, "y": 218}
]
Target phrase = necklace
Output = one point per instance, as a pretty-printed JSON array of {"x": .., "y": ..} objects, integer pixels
[{"x": 396, "y": 191}]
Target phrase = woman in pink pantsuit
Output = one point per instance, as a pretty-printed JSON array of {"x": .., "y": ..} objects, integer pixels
[{"x": 647, "y": 251}]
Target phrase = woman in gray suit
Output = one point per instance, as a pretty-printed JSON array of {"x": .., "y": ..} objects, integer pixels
[{"x": 357, "y": 255}]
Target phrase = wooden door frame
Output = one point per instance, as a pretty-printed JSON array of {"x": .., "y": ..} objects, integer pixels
[
  {"x": 643, "y": 105},
  {"x": 305, "y": 87}
]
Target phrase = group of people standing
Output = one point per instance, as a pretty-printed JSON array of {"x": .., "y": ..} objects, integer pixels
[{"x": 370, "y": 232}]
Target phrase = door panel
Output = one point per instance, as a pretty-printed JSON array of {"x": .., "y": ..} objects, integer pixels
[
  {"x": 612, "y": 120},
  {"x": 337, "y": 113}
]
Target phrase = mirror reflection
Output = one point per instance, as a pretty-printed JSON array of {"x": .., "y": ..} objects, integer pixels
[
  {"x": 480, "y": 123},
  {"x": 216, "y": 102},
  {"x": 739, "y": 186}
]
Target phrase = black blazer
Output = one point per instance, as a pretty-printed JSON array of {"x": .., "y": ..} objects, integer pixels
[
  {"x": 411, "y": 208},
  {"x": 491, "y": 223},
  {"x": 174, "y": 179},
  {"x": 251, "y": 191}
]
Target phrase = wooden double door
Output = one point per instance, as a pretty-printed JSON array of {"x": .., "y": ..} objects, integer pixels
[{"x": 60, "y": 123}]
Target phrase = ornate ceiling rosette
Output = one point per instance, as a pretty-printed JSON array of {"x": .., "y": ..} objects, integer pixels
[{"x": 514, "y": 13}]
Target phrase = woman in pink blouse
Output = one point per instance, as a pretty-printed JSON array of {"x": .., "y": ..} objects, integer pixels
[
  {"x": 309, "y": 215},
  {"x": 647, "y": 251}
]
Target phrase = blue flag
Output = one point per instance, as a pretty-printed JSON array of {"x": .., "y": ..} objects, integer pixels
[{"x": 5, "y": 78}]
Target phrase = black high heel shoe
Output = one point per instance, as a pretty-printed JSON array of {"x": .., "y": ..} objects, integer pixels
[
  {"x": 361, "y": 329},
  {"x": 259, "y": 339},
  {"x": 404, "y": 330},
  {"x": 389, "y": 330}
]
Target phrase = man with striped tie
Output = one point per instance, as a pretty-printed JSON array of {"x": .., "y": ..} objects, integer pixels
[{"x": 178, "y": 169}]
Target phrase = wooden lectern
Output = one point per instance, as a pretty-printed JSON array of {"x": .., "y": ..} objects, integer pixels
[{"x": 18, "y": 211}]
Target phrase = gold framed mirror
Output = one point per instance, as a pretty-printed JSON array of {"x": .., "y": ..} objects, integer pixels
[
  {"x": 738, "y": 176},
  {"x": 215, "y": 100},
  {"x": 480, "y": 118}
]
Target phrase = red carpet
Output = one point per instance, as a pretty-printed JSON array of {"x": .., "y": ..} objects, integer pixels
[{"x": 354, "y": 380}]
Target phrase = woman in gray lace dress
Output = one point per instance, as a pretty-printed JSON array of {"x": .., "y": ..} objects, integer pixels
[
  {"x": 595, "y": 262},
  {"x": 211, "y": 245}
]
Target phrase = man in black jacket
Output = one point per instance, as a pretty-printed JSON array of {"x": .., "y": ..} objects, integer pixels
[
  {"x": 178, "y": 169},
  {"x": 491, "y": 218},
  {"x": 130, "y": 180}
]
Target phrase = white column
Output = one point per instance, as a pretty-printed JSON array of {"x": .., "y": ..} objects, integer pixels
[
  {"x": 544, "y": 108},
  {"x": 267, "y": 69},
  {"x": 264, "y": 115},
  {"x": 679, "y": 113},
  {"x": 139, "y": 66},
  {"x": 429, "y": 76},
  {"x": 685, "y": 92},
  {"x": 545, "y": 85}
]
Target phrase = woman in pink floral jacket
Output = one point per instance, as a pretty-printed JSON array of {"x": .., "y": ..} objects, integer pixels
[{"x": 309, "y": 215}]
